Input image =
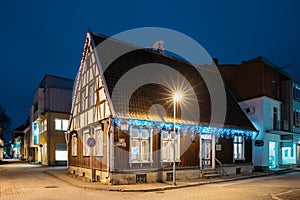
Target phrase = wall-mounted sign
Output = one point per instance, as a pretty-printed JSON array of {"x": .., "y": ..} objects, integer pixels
[
  {"x": 91, "y": 142},
  {"x": 259, "y": 143},
  {"x": 218, "y": 147}
]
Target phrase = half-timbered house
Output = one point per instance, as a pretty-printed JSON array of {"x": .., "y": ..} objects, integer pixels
[{"x": 131, "y": 119}]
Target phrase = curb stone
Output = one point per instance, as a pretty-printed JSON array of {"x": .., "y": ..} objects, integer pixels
[{"x": 108, "y": 188}]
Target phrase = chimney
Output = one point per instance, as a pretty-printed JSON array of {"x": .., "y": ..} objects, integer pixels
[
  {"x": 158, "y": 46},
  {"x": 216, "y": 61}
]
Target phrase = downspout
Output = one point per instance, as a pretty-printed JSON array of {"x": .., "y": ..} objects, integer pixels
[
  {"x": 109, "y": 146},
  {"x": 200, "y": 151},
  {"x": 67, "y": 141},
  {"x": 48, "y": 125}
]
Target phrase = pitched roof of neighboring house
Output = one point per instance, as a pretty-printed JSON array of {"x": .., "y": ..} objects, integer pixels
[
  {"x": 56, "y": 82},
  {"x": 19, "y": 131},
  {"x": 156, "y": 96}
]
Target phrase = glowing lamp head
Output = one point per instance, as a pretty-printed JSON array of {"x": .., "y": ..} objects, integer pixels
[{"x": 177, "y": 96}]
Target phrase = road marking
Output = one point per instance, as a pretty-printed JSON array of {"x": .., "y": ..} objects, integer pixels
[{"x": 274, "y": 196}]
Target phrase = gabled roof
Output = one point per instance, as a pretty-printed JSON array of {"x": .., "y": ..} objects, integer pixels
[
  {"x": 147, "y": 95},
  {"x": 56, "y": 82}
]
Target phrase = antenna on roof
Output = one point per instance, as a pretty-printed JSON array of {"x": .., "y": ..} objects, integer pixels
[{"x": 158, "y": 46}]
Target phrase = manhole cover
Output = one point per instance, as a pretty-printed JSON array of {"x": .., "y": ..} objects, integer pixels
[{"x": 51, "y": 186}]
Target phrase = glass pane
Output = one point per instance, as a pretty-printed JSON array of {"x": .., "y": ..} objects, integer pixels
[
  {"x": 74, "y": 146},
  {"x": 61, "y": 155},
  {"x": 145, "y": 150},
  {"x": 145, "y": 133},
  {"x": 171, "y": 147},
  {"x": 86, "y": 148},
  {"x": 164, "y": 134},
  {"x": 65, "y": 124},
  {"x": 240, "y": 139},
  {"x": 235, "y": 139},
  {"x": 173, "y": 135},
  {"x": 165, "y": 150},
  {"x": 58, "y": 124},
  {"x": 235, "y": 151},
  {"x": 134, "y": 150},
  {"x": 134, "y": 132},
  {"x": 240, "y": 151}
]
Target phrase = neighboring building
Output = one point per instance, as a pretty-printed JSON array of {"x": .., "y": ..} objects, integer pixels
[
  {"x": 18, "y": 142},
  {"x": 138, "y": 145},
  {"x": 27, "y": 143},
  {"x": 20, "y": 138},
  {"x": 270, "y": 98},
  {"x": 49, "y": 116},
  {"x": 1, "y": 143}
]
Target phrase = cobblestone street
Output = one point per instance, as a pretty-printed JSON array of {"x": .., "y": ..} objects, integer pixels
[{"x": 25, "y": 181}]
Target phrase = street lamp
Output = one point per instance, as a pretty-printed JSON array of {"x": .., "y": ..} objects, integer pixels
[{"x": 177, "y": 98}]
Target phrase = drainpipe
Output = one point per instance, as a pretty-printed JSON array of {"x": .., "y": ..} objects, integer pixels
[
  {"x": 48, "y": 125},
  {"x": 67, "y": 141},
  {"x": 200, "y": 151},
  {"x": 109, "y": 147}
]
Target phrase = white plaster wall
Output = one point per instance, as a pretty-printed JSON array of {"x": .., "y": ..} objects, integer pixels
[{"x": 262, "y": 119}]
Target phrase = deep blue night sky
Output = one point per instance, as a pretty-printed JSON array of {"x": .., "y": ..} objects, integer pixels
[{"x": 39, "y": 38}]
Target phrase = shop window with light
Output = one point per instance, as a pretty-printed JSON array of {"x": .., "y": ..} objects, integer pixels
[
  {"x": 98, "y": 135},
  {"x": 74, "y": 145},
  {"x": 140, "y": 145},
  {"x": 86, "y": 148},
  {"x": 61, "y": 124},
  {"x": 167, "y": 146},
  {"x": 238, "y": 147},
  {"x": 61, "y": 152}
]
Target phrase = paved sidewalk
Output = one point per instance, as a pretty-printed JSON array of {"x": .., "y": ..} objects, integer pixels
[{"x": 62, "y": 174}]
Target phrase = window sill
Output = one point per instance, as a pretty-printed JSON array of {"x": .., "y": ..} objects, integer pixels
[{"x": 140, "y": 162}]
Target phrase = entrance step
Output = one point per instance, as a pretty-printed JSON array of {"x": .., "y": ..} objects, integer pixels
[{"x": 209, "y": 173}]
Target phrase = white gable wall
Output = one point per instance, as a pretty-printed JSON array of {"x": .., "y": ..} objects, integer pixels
[{"x": 90, "y": 102}]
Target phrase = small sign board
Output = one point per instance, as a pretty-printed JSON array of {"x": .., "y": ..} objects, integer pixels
[
  {"x": 91, "y": 142},
  {"x": 218, "y": 147},
  {"x": 259, "y": 143}
]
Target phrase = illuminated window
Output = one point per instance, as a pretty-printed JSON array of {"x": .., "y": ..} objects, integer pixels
[
  {"x": 167, "y": 146},
  {"x": 140, "y": 145},
  {"x": 74, "y": 145},
  {"x": 61, "y": 124},
  {"x": 238, "y": 147},
  {"x": 61, "y": 152},
  {"x": 44, "y": 125},
  {"x": 86, "y": 149},
  {"x": 36, "y": 133},
  {"x": 288, "y": 155},
  {"x": 98, "y": 149}
]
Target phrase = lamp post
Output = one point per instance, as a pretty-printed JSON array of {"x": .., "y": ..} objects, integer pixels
[{"x": 177, "y": 97}]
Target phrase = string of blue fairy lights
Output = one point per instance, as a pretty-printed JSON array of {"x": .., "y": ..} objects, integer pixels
[{"x": 219, "y": 131}]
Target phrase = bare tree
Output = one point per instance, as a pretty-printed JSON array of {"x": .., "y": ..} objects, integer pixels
[{"x": 4, "y": 122}]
